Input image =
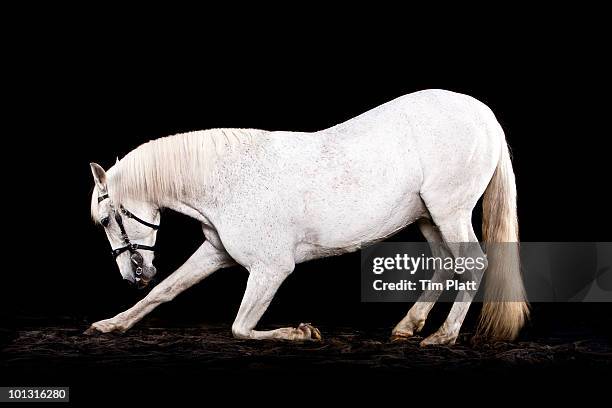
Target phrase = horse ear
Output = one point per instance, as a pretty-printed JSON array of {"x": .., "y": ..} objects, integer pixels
[
  {"x": 117, "y": 161},
  {"x": 99, "y": 176}
]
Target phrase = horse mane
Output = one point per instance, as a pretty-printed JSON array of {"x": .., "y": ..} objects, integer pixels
[{"x": 170, "y": 167}]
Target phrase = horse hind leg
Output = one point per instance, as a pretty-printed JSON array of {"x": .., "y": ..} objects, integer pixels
[
  {"x": 414, "y": 320},
  {"x": 462, "y": 243}
]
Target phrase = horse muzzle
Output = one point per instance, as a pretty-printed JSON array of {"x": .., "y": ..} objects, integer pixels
[{"x": 142, "y": 273}]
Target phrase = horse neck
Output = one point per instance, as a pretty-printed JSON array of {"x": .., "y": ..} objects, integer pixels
[{"x": 163, "y": 171}]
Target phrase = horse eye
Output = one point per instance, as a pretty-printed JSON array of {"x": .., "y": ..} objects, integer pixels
[{"x": 105, "y": 221}]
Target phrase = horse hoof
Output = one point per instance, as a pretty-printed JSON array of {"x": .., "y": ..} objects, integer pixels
[
  {"x": 437, "y": 339},
  {"x": 92, "y": 331},
  {"x": 311, "y": 331}
]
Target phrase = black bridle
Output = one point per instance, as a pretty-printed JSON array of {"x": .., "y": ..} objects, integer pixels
[{"x": 135, "y": 256}]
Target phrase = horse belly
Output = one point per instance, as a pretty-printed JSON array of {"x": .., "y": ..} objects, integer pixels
[{"x": 375, "y": 199}]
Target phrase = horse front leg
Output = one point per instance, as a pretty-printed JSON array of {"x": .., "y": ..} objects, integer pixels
[
  {"x": 262, "y": 285},
  {"x": 206, "y": 260}
]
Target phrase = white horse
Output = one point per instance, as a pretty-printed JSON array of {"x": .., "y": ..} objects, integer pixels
[{"x": 268, "y": 200}]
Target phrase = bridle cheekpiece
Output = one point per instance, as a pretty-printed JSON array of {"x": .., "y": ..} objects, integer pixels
[{"x": 135, "y": 256}]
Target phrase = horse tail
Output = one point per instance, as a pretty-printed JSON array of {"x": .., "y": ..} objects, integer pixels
[{"x": 505, "y": 308}]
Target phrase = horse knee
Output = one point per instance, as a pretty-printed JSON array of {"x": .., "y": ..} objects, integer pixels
[{"x": 240, "y": 332}]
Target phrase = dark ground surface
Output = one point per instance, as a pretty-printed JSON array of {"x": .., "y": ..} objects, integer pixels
[
  {"x": 154, "y": 361},
  {"x": 565, "y": 348},
  {"x": 213, "y": 348},
  {"x": 154, "y": 357}
]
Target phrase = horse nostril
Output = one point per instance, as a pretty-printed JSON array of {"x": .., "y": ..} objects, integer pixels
[{"x": 137, "y": 258}]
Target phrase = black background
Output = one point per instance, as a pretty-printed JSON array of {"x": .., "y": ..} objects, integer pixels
[{"x": 80, "y": 95}]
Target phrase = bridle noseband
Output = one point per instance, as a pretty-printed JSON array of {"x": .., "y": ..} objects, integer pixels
[{"x": 135, "y": 256}]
